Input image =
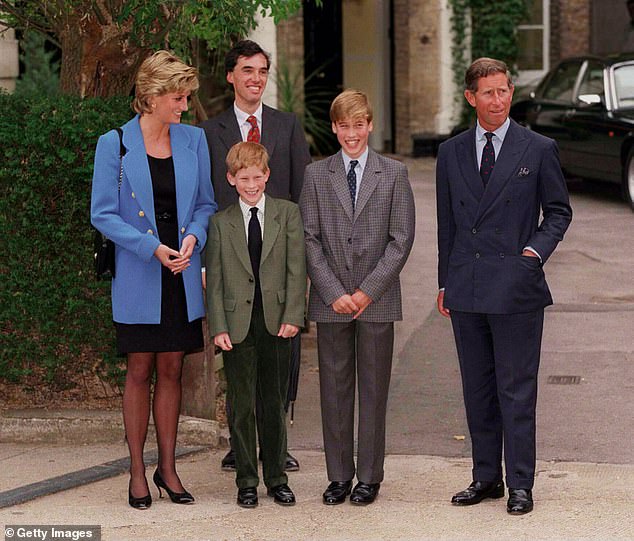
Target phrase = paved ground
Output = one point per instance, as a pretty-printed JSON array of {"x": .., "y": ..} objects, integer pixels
[{"x": 585, "y": 474}]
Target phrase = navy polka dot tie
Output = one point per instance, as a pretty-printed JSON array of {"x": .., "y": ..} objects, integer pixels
[
  {"x": 488, "y": 158},
  {"x": 352, "y": 180}
]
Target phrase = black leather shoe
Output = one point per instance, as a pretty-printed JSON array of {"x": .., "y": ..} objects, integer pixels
[
  {"x": 176, "y": 497},
  {"x": 248, "y": 497},
  {"x": 282, "y": 494},
  {"x": 144, "y": 502},
  {"x": 478, "y": 491},
  {"x": 363, "y": 493},
  {"x": 291, "y": 464},
  {"x": 336, "y": 492},
  {"x": 520, "y": 501},
  {"x": 228, "y": 463}
]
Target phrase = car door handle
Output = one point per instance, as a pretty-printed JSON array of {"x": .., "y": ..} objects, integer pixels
[{"x": 569, "y": 113}]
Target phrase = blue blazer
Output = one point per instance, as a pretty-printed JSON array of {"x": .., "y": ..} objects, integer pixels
[
  {"x": 482, "y": 232},
  {"x": 127, "y": 217}
]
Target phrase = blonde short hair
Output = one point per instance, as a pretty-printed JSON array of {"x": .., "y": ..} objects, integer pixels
[
  {"x": 351, "y": 104},
  {"x": 161, "y": 74},
  {"x": 245, "y": 154}
]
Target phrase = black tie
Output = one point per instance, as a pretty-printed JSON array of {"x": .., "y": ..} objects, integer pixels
[
  {"x": 488, "y": 158},
  {"x": 352, "y": 180},
  {"x": 255, "y": 250}
]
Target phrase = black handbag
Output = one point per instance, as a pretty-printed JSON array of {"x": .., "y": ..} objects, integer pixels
[{"x": 103, "y": 246}]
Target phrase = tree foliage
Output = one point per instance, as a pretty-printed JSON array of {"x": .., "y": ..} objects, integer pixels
[
  {"x": 104, "y": 41},
  {"x": 484, "y": 28},
  {"x": 55, "y": 317}
]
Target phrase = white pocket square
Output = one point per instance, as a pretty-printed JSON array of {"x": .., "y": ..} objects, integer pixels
[{"x": 524, "y": 171}]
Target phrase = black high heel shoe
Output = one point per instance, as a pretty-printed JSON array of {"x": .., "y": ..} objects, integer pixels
[
  {"x": 144, "y": 502},
  {"x": 176, "y": 497}
]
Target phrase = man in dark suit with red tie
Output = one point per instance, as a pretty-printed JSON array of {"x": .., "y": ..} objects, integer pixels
[
  {"x": 247, "y": 69},
  {"x": 493, "y": 182}
]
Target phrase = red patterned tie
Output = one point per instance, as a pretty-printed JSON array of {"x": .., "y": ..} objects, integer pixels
[
  {"x": 488, "y": 158},
  {"x": 254, "y": 133}
]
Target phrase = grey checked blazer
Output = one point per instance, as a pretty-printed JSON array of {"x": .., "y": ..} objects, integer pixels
[{"x": 364, "y": 249}]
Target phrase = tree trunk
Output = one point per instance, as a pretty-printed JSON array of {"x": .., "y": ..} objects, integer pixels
[{"x": 98, "y": 59}]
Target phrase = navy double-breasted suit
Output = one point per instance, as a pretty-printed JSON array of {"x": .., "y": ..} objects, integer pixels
[
  {"x": 482, "y": 232},
  {"x": 496, "y": 295}
]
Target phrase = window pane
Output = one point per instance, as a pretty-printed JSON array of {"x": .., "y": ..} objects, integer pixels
[
  {"x": 531, "y": 44},
  {"x": 560, "y": 85},
  {"x": 624, "y": 79},
  {"x": 592, "y": 82},
  {"x": 535, "y": 12}
]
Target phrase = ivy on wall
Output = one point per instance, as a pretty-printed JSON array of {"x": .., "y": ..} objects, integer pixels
[{"x": 484, "y": 28}]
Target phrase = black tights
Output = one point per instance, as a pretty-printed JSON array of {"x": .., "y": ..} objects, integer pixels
[{"x": 166, "y": 411}]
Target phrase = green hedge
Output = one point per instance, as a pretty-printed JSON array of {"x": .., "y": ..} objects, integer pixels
[{"x": 55, "y": 318}]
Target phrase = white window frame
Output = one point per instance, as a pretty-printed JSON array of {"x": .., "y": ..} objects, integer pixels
[{"x": 529, "y": 76}]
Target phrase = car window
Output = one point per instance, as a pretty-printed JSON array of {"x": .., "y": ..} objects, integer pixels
[
  {"x": 562, "y": 82},
  {"x": 624, "y": 85},
  {"x": 592, "y": 80}
]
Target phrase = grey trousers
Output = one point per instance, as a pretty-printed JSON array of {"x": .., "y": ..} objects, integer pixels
[{"x": 348, "y": 352}]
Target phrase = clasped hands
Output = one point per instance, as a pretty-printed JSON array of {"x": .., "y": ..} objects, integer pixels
[
  {"x": 352, "y": 304},
  {"x": 176, "y": 261},
  {"x": 223, "y": 341}
]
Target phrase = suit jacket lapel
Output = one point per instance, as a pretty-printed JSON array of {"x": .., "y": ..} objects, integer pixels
[
  {"x": 270, "y": 128},
  {"x": 271, "y": 227},
  {"x": 468, "y": 164},
  {"x": 369, "y": 181},
  {"x": 137, "y": 170},
  {"x": 506, "y": 163},
  {"x": 340, "y": 184},
  {"x": 185, "y": 164},
  {"x": 230, "y": 133},
  {"x": 238, "y": 236}
]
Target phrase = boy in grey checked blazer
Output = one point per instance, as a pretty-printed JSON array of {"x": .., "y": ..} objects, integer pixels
[{"x": 358, "y": 213}]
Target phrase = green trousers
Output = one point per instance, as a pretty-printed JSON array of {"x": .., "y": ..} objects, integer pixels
[{"x": 258, "y": 366}]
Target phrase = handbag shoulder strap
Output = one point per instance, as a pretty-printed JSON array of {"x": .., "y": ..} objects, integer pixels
[{"x": 122, "y": 151}]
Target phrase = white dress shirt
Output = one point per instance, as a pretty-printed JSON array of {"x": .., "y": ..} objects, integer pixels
[
  {"x": 246, "y": 215},
  {"x": 497, "y": 140},
  {"x": 241, "y": 117}
]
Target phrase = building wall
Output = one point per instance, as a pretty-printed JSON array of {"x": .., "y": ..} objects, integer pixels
[
  {"x": 419, "y": 70},
  {"x": 366, "y": 64},
  {"x": 9, "y": 69},
  {"x": 290, "y": 53},
  {"x": 402, "y": 48},
  {"x": 265, "y": 36},
  {"x": 574, "y": 27}
]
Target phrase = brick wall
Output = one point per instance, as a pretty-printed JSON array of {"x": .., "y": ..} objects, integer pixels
[{"x": 574, "y": 27}]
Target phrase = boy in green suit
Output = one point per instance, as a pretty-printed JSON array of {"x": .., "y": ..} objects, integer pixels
[{"x": 255, "y": 296}]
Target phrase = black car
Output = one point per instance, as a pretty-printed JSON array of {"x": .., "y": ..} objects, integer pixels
[{"x": 587, "y": 105}]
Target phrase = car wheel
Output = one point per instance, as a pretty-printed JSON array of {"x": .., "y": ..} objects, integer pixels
[{"x": 628, "y": 179}]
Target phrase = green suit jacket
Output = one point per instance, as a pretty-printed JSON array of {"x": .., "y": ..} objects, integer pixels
[{"x": 230, "y": 281}]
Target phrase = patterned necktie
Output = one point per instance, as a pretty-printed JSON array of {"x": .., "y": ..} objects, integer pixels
[
  {"x": 352, "y": 180},
  {"x": 254, "y": 133},
  {"x": 255, "y": 250},
  {"x": 488, "y": 158}
]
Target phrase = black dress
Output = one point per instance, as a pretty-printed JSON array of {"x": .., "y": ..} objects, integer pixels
[{"x": 175, "y": 332}]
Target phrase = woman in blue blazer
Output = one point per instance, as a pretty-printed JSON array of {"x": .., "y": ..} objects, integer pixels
[{"x": 157, "y": 217}]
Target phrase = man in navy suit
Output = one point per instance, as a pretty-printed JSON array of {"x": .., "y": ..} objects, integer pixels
[
  {"x": 248, "y": 119},
  {"x": 492, "y": 183}
]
